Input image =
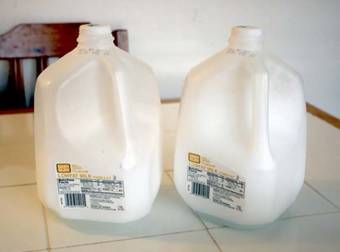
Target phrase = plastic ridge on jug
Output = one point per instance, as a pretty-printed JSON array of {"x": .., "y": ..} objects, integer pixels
[
  {"x": 241, "y": 137},
  {"x": 97, "y": 132}
]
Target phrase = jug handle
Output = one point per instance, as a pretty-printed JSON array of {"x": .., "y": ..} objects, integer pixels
[
  {"x": 261, "y": 143},
  {"x": 129, "y": 157}
]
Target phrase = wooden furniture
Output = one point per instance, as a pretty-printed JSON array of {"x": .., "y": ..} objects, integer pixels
[{"x": 38, "y": 41}]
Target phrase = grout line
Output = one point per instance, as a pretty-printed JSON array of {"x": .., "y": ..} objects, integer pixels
[
  {"x": 46, "y": 228},
  {"x": 201, "y": 221},
  {"x": 169, "y": 176},
  {"x": 170, "y": 101},
  {"x": 129, "y": 239},
  {"x": 171, "y": 233},
  {"x": 214, "y": 241},
  {"x": 321, "y": 195},
  {"x": 284, "y": 219},
  {"x": 17, "y": 185},
  {"x": 207, "y": 230},
  {"x": 218, "y": 227},
  {"x": 309, "y": 215},
  {"x": 199, "y": 218},
  {"x": 36, "y": 250}
]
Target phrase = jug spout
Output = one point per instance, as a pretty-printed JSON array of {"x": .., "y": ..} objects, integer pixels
[
  {"x": 95, "y": 36},
  {"x": 246, "y": 38}
]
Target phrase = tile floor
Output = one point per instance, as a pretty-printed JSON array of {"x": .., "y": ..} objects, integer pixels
[{"x": 311, "y": 224}]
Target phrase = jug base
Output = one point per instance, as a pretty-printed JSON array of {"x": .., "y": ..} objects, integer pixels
[
  {"x": 76, "y": 217},
  {"x": 222, "y": 222}
]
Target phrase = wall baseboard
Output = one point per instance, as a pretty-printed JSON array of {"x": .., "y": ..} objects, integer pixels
[{"x": 323, "y": 115}]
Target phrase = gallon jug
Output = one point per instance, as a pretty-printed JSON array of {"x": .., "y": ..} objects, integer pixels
[
  {"x": 241, "y": 140},
  {"x": 97, "y": 132}
]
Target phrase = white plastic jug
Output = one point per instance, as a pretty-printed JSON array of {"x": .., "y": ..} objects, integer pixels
[
  {"x": 97, "y": 132},
  {"x": 241, "y": 140}
]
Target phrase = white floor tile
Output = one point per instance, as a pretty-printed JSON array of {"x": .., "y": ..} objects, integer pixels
[
  {"x": 313, "y": 233},
  {"x": 17, "y": 164},
  {"x": 169, "y": 214},
  {"x": 16, "y": 129},
  {"x": 323, "y": 158},
  {"x": 170, "y": 116},
  {"x": 307, "y": 203},
  {"x": 192, "y": 241},
  {"x": 22, "y": 224},
  {"x": 169, "y": 139}
]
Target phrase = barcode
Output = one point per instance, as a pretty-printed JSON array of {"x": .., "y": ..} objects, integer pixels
[
  {"x": 200, "y": 190},
  {"x": 75, "y": 200}
]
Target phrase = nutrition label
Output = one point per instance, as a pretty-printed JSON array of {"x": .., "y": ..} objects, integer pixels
[
  {"x": 75, "y": 191},
  {"x": 221, "y": 186}
]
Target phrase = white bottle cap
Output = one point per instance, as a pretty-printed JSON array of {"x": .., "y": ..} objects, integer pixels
[
  {"x": 93, "y": 35},
  {"x": 246, "y": 32},
  {"x": 246, "y": 37},
  {"x": 95, "y": 29}
]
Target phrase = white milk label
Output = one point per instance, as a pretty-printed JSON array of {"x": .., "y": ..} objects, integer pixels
[
  {"x": 79, "y": 189},
  {"x": 221, "y": 186}
]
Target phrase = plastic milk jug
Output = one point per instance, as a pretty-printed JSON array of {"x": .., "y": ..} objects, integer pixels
[
  {"x": 97, "y": 132},
  {"x": 241, "y": 140}
]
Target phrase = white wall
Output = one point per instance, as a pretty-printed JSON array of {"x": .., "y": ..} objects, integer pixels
[{"x": 175, "y": 35}]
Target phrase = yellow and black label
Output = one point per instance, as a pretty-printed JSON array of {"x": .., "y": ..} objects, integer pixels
[
  {"x": 63, "y": 168},
  {"x": 195, "y": 158}
]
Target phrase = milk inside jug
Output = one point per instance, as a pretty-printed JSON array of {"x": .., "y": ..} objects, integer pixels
[
  {"x": 97, "y": 132},
  {"x": 241, "y": 138}
]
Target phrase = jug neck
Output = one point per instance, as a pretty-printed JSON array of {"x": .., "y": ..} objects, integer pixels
[
  {"x": 95, "y": 36},
  {"x": 246, "y": 38}
]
